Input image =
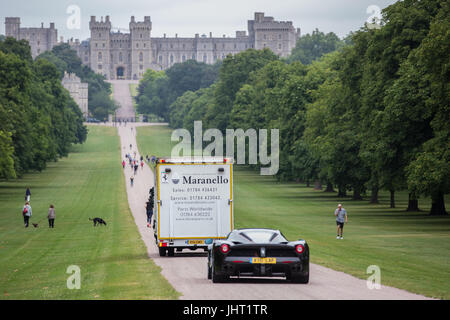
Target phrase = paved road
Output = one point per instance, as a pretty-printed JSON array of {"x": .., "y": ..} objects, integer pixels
[
  {"x": 187, "y": 272},
  {"x": 121, "y": 93}
]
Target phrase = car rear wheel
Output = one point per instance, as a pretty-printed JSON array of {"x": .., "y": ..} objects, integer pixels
[
  {"x": 171, "y": 252},
  {"x": 304, "y": 278},
  {"x": 162, "y": 251},
  {"x": 217, "y": 278},
  {"x": 209, "y": 267}
]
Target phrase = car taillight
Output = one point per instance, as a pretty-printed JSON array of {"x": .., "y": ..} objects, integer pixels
[
  {"x": 299, "y": 248},
  {"x": 224, "y": 248}
]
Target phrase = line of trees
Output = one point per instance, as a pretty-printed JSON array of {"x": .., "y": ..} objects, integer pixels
[
  {"x": 159, "y": 89},
  {"x": 100, "y": 102},
  {"x": 39, "y": 121},
  {"x": 371, "y": 115}
]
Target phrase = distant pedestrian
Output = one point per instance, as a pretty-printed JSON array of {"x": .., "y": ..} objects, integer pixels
[
  {"x": 51, "y": 216},
  {"x": 142, "y": 165},
  {"x": 27, "y": 194},
  {"x": 341, "y": 218},
  {"x": 26, "y": 212},
  {"x": 123, "y": 164},
  {"x": 149, "y": 211},
  {"x": 131, "y": 145},
  {"x": 135, "y": 168},
  {"x": 132, "y": 180}
]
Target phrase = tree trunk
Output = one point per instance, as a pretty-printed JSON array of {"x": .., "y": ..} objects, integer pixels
[
  {"x": 317, "y": 185},
  {"x": 374, "y": 195},
  {"x": 357, "y": 194},
  {"x": 438, "y": 205},
  {"x": 307, "y": 183},
  {"x": 413, "y": 203},
  {"x": 342, "y": 192},
  {"x": 392, "y": 198},
  {"x": 329, "y": 187}
]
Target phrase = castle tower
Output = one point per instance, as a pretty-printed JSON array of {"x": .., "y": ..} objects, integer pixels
[
  {"x": 12, "y": 27},
  {"x": 100, "y": 46},
  {"x": 52, "y": 37},
  {"x": 279, "y": 36},
  {"x": 140, "y": 42}
]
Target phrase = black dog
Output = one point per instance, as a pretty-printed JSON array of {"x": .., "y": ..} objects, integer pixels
[
  {"x": 98, "y": 221},
  {"x": 35, "y": 225}
]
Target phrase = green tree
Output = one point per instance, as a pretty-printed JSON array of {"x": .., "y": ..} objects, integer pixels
[
  {"x": 233, "y": 74},
  {"x": 66, "y": 59},
  {"x": 39, "y": 121},
  {"x": 313, "y": 46}
]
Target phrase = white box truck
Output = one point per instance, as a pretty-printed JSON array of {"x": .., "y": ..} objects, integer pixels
[{"x": 193, "y": 203}]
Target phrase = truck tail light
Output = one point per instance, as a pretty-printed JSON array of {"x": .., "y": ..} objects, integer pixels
[
  {"x": 224, "y": 248},
  {"x": 299, "y": 248}
]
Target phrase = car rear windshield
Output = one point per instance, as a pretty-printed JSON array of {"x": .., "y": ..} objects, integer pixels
[{"x": 264, "y": 236}]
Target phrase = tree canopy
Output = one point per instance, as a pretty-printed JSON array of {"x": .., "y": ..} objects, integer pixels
[
  {"x": 364, "y": 114},
  {"x": 39, "y": 121},
  {"x": 99, "y": 91}
]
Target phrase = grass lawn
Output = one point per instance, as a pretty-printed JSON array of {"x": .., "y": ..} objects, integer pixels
[
  {"x": 113, "y": 259},
  {"x": 411, "y": 249}
]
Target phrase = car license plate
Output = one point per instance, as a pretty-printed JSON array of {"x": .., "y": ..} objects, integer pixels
[
  {"x": 264, "y": 260},
  {"x": 196, "y": 241}
]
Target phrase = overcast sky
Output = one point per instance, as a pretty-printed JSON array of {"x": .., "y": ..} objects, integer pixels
[{"x": 187, "y": 17}]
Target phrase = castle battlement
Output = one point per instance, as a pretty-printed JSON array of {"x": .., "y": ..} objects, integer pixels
[{"x": 103, "y": 25}]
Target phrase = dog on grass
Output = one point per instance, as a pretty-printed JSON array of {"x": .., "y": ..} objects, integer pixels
[
  {"x": 35, "y": 225},
  {"x": 98, "y": 221}
]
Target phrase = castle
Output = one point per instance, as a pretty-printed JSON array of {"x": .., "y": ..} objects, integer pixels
[
  {"x": 118, "y": 55},
  {"x": 78, "y": 91},
  {"x": 40, "y": 39}
]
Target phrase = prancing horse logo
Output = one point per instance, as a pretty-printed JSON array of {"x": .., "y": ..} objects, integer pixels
[{"x": 164, "y": 177}]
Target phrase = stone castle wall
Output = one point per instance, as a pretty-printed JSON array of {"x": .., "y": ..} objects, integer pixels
[
  {"x": 78, "y": 91},
  {"x": 127, "y": 55},
  {"x": 40, "y": 39},
  {"x": 119, "y": 55}
]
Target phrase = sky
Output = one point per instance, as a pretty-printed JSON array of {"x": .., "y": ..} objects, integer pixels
[{"x": 188, "y": 17}]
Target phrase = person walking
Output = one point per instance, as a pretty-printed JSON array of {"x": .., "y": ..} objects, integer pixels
[
  {"x": 341, "y": 218},
  {"x": 26, "y": 212},
  {"x": 132, "y": 180},
  {"x": 149, "y": 211},
  {"x": 27, "y": 194},
  {"x": 123, "y": 164},
  {"x": 135, "y": 168},
  {"x": 51, "y": 216},
  {"x": 142, "y": 164}
]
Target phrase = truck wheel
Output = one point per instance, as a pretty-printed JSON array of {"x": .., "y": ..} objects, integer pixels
[
  {"x": 162, "y": 251},
  {"x": 171, "y": 252}
]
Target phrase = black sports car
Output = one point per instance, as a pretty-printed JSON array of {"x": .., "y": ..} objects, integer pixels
[{"x": 258, "y": 253}]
